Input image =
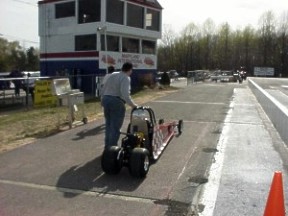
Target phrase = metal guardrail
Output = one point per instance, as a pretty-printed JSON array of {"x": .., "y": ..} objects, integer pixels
[{"x": 8, "y": 94}]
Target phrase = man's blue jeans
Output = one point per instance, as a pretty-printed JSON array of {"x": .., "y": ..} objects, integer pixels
[{"x": 114, "y": 113}]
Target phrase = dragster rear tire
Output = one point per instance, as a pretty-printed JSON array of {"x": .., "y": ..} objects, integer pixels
[
  {"x": 180, "y": 126},
  {"x": 112, "y": 160},
  {"x": 139, "y": 162}
]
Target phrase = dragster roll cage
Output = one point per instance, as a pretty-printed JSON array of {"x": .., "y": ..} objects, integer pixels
[{"x": 148, "y": 109}]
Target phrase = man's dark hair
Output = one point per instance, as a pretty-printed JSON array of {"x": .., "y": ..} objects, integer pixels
[
  {"x": 111, "y": 69},
  {"x": 127, "y": 66}
]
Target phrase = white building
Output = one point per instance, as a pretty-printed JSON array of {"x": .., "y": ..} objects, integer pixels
[{"x": 81, "y": 38}]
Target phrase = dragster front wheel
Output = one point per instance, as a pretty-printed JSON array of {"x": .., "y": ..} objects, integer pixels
[
  {"x": 85, "y": 120},
  {"x": 139, "y": 162},
  {"x": 112, "y": 160},
  {"x": 180, "y": 126}
]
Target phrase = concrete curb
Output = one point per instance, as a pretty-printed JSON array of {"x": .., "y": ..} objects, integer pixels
[{"x": 276, "y": 111}]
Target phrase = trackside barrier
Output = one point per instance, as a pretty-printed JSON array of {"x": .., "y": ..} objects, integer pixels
[{"x": 276, "y": 111}]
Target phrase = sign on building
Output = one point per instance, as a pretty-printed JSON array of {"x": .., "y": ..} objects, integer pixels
[{"x": 115, "y": 59}]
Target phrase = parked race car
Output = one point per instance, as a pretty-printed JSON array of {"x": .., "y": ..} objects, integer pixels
[{"x": 143, "y": 143}]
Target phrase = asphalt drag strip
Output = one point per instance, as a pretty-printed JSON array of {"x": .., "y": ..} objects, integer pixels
[
  {"x": 62, "y": 174},
  {"x": 240, "y": 178}
]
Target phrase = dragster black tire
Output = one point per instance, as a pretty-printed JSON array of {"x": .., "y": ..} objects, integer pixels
[
  {"x": 139, "y": 162},
  {"x": 180, "y": 126},
  {"x": 112, "y": 160},
  {"x": 85, "y": 120}
]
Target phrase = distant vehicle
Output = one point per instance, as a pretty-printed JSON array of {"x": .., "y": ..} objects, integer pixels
[
  {"x": 158, "y": 76},
  {"x": 197, "y": 75},
  {"x": 222, "y": 76},
  {"x": 173, "y": 74},
  {"x": 235, "y": 76}
]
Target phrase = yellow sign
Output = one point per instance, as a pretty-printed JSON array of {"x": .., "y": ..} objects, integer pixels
[{"x": 43, "y": 96}]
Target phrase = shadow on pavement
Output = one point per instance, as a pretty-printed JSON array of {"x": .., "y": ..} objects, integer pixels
[
  {"x": 91, "y": 132},
  {"x": 90, "y": 177}
]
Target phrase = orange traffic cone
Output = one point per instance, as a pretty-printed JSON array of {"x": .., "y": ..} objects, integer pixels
[{"x": 275, "y": 203}]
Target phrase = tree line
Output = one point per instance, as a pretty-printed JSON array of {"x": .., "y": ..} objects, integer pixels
[
  {"x": 205, "y": 47},
  {"x": 14, "y": 57},
  {"x": 208, "y": 47}
]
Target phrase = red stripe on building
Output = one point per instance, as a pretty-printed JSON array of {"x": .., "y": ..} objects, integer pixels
[{"x": 70, "y": 54}]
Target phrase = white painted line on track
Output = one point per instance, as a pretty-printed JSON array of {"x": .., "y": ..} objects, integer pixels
[
  {"x": 210, "y": 189},
  {"x": 187, "y": 102},
  {"x": 76, "y": 191}
]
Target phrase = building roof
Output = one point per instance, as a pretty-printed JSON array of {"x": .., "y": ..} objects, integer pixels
[{"x": 150, "y": 3}]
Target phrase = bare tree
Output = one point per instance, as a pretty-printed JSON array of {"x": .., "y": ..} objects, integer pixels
[
  {"x": 187, "y": 47},
  {"x": 249, "y": 48},
  {"x": 283, "y": 43},
  {"x": 168, "y": 36},
  {"x": 207, "y": 45},
  {"x": 224, "y": 47},
  {"x": 204, "y": 48},
  {"x": 267, "y": 37},
  {"x": 166, "y": 58}
]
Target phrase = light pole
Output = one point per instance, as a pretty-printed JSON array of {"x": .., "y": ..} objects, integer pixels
[{"x": 104, "y": 30}]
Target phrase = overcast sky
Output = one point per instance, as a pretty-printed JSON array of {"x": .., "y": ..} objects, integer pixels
[
  {"x": 19, "y": 18},
  {"x": 238, "y": 13}
]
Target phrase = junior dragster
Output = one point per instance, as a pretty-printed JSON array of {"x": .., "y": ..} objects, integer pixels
[{"x": 143, "y": 143}]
